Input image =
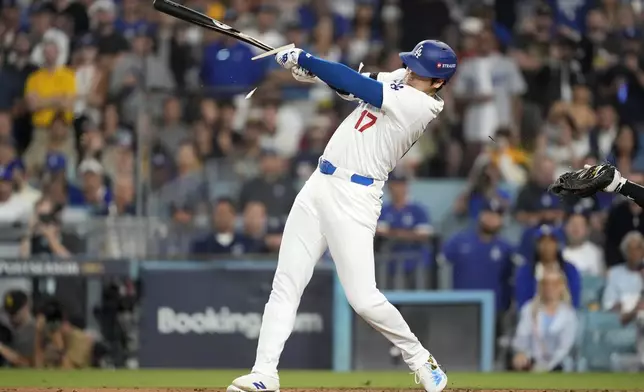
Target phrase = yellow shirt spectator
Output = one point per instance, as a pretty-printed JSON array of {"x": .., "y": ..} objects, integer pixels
[
  {"x": 216, "y": 10},
  {"x": 49, "y": 91}
]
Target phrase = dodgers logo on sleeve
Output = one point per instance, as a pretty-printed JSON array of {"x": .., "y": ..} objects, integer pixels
[{"x": 396, "y": 86}]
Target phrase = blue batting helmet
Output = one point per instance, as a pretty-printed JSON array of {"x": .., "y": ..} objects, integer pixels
[{"x": 431, "y": 59}]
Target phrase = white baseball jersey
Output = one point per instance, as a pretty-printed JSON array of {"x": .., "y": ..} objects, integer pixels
[{"x": 370, "y": 141}]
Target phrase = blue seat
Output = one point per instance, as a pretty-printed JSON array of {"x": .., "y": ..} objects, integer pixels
[
  {"x": 591, "y": 290},
  {"x": 603, "y": 337}
]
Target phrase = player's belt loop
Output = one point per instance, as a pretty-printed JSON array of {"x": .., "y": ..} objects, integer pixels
[{"x": 328, "y": 168}]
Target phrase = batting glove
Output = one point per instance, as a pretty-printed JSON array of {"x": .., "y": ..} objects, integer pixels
[
  {"x": 288, "y": 58},
  {"x": 303, "y": 75}
]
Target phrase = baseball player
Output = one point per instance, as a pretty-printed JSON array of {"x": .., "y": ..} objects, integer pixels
[
  {"x": 592, "y": 179},
  {"x": 340, "y": 203}
]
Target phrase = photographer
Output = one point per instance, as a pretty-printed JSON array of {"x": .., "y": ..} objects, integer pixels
[
  {"x": 17, "y": 344},
  {"x": 58, "y": 343},
  {"x": 45, "y": 238}
]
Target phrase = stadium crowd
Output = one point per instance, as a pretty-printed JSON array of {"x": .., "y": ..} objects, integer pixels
[{"x": 109, "y": 109}]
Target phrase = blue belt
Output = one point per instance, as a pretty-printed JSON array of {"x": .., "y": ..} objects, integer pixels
[{"x": 328, "y": 168}]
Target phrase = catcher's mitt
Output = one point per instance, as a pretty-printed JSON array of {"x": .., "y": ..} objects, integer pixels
[{"x": 585, "y": 182}]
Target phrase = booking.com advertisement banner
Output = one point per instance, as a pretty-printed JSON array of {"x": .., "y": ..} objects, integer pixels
[{"x": 210, "y": 318}]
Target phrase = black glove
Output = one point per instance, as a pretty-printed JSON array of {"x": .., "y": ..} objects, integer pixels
[{"x": 588, "y": 181}]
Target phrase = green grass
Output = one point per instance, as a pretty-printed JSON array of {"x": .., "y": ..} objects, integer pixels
[{"x": 293, "y": 379}]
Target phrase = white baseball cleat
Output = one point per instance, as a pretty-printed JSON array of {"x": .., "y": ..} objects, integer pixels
[
  {"x": 431, "y": 376},
  {"x": 254, "y": 382}
]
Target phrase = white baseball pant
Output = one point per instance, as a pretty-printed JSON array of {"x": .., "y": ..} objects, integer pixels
[{"x": 332, "y": 212}]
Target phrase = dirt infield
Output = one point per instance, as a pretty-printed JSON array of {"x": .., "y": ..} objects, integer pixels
[{"x": 53, "y": 389}]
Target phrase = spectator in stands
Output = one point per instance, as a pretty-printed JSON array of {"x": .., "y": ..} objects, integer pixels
[
  {"x": 188, "y": 188},
  {"x": 563, "y": 147},
  {"x": 59, "y": 139},
  {"x": 587, "y": 257},
  {"x": 550, "y": 212},
  {"x": 179, "y": 235},
  {"x": 217, "y": 114},
  {"x": 172, "y": 130},
  {"x": 547, "y": 327},
  {"x": 311, "y": 13},
  {"x": 625, "y": 151},
  {"x": 59, "y": 344},
  {"x": 249, "y": 152},
  {"x": 364, "y": 37},
  {"x": 487, "y": 88},
  {"x": 91, "y": 79},
  {"x": 481, "y": 258},
  {"x": 224, "y": 240},
  {"x": 483, "y": 187},
  {"x": 11, "y": 17},
  {"x": 622, "y": 219},
  {"x": 73, "y": 11},
  {"x": 259, "y": 236},
  {"x": 271, "y": 187},
  {"x": 19, "y": 350},
  {"x": 96, "y": 195},
  {"x": 123, "y": 203},
  {"x": 530, "y": 201},
  {"x": 226, "y": 114},
  {"x": 283, "y": 128},
  {"x": 547, "y": 258},
  {"x": 111, "y": 123},
  {"x": 6, "y": 125},
  {"x": 55, "y": 181},
  {"x": 131, "y": 19},
  {"x": 509, "y": 157},
  {"x": 581, "y": 113},
  {"x": 203, "y": 138},
  {"x": 44, "y": 32},
  {"x": 405, "y": 228},
  {"x": 20, "y": 66},
  {"x": 50, "y": 93},
  {"x": 22, "y": 188},
  {"x": 161, "y": 171},
  {"x": 118, "y": 157},
  {"x": 44, "y": 236},
  {"x": 264, "y": 28},
  {"x": 604, "y": 132},
  {"x": 625, "y": 283},
  {"x": 225, "y": 137},
  {"x": 9, "y": 96},
  {"x": 227, "y": 68},
  {"x": 139, "y": 70},
  {"x": 110, "y": 42},
  {"x": 92, "y": 140},
  {"x": 323, "y": 36},
  {"x": 623, "y": 81},
  {"x": 13, "y": 209},
  {"x": 315, "y": 140}
]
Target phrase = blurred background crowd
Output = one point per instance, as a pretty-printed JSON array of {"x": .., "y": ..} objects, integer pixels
[{"x": 124, "y": 133}]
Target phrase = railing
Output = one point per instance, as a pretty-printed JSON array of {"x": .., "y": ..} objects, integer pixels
[{"x": 192, "y": 308}]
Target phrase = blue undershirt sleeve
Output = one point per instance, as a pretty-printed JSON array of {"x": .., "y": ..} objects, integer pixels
[{"x": 344, "y": 78}]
